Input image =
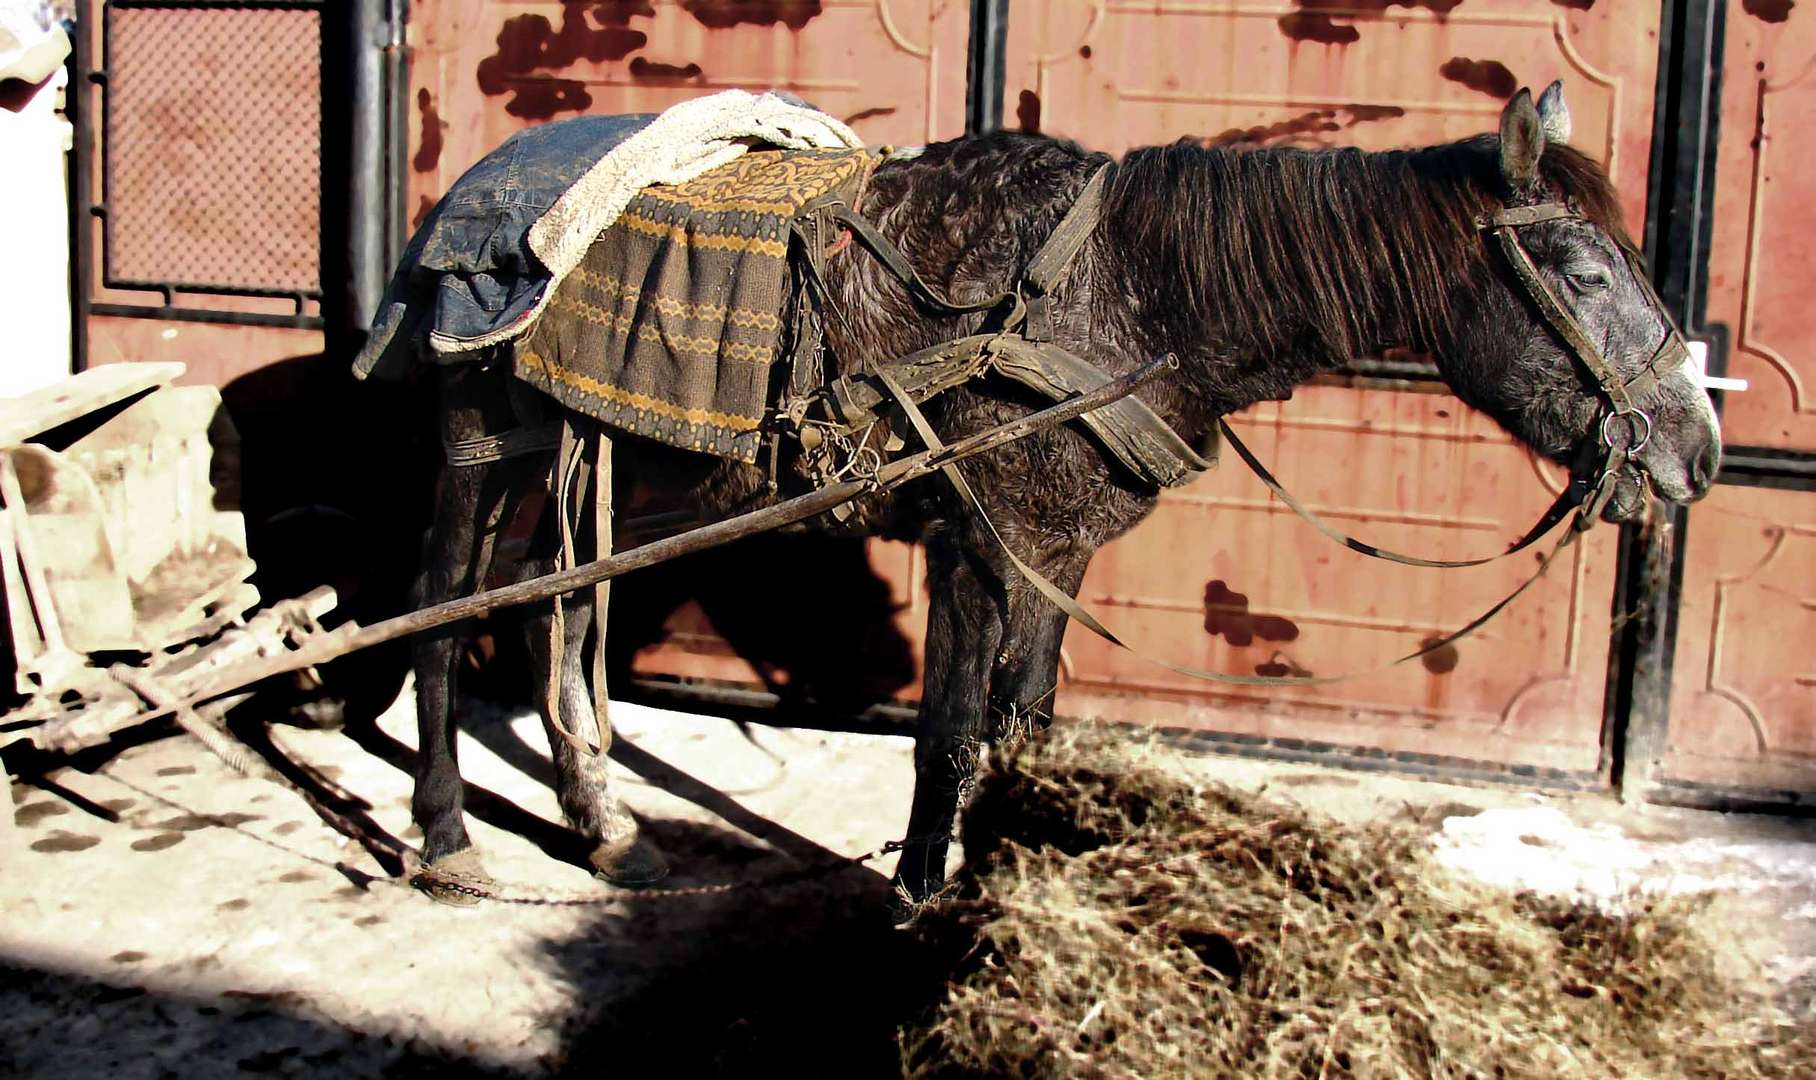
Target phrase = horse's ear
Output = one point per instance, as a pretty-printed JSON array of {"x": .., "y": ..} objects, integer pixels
[
  {"x": 1522, "y": 141},
  {"x": 1554, "y": 114}
]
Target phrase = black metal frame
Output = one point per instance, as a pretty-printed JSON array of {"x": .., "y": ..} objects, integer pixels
[
  {"x": 986, "y": 66},
  {"x": 86, "y": 75},
  {"x": 1680, "y": 222}
]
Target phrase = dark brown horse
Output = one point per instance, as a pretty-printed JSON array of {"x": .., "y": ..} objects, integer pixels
[{"x": 1257, "y": 269}]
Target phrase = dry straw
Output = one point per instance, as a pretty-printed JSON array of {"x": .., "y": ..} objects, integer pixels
[{"x": 1122, "y": 920}]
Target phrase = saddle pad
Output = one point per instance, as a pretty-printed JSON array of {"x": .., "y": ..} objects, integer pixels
[{"x": 670, "y": 325}]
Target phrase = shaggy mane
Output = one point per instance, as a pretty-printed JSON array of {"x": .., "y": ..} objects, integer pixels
[{"x": 1328, "y": 253}]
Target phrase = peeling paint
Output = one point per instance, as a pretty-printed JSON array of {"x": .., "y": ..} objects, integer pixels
[
  {"x": 725, "y": 14},
  {"x": 1227, "y": 614},
  {"x": 1318, "y": 28},
  {"x": 1575, "y": 5},
  {"x": 1313, "y": 21},
  {"x": 1282, "y": 667},
  {"x": 1772, "y": 11},
  {"x": 865, "y": 114},
  {"x": 1027, "y": 112},
  {"x": 540, "y": 99},
  {"x": 529, "y": 43},
  {"x": 428, "y": 151},
  {"x": 1489, "y": 77},
  {"x": 656, "y": 71},
  {"x": 1307, "y": 126},
  {"x": 1439, "y": 661}
]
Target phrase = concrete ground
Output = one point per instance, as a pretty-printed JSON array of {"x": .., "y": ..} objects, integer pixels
[{"x": 163, "y": 916}]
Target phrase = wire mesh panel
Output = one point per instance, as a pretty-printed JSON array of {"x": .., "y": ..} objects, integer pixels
[{"x": 211, "y": 152}]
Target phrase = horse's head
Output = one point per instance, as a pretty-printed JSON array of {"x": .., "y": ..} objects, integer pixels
[{"x": 1565, "y": 343}]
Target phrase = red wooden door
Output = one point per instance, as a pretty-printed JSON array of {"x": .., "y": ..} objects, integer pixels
[
  {"x": 1743, "y": 701},
  {"x": 1220, "y": 576},
  {"x": 482, "y": 69}
]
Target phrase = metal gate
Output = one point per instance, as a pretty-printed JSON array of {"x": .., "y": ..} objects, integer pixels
[{"x": 1672, "y": 661}]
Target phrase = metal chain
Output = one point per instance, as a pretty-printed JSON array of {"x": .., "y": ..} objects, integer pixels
[{"x": 427, "y": 877}]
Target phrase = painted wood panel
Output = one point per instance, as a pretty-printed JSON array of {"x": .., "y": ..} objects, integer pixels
[
  {"x": 482, "y": 69},
  {"x": 1743, "y": 697},
  {"x": 1761, "y": 265},
  {"x": 1222, "y": 577}
]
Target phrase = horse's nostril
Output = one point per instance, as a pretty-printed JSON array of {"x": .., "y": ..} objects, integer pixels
[{"x": 1706, "y": 465}]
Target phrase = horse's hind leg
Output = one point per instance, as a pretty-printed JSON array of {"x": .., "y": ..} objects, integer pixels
[{"x": 620, "y": 855}]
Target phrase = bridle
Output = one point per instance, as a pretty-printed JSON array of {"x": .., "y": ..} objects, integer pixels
[{"x": 1624, "y": 428}]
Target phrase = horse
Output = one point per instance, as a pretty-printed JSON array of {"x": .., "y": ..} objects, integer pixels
[{"x": 1257, "y": 268}]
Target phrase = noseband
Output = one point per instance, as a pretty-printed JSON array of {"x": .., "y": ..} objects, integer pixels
[{"x": 1625, "y": 428}]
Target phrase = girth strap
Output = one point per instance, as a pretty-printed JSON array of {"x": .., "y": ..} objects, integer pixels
[{"x": 514, "y": 443}]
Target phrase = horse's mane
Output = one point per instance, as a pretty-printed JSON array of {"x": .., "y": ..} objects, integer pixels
[{"x": 1325, "y": 251}]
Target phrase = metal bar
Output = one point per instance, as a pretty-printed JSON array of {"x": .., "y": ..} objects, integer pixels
[
  {"x": 352, "y": 638},
  {"x": 187, "y": 4},
  {"x": 259, "y": 291},
  {"x": 354, "y": 111},
  {"x": 1767, "y": 466},
  {"x": 81, "y": 223},
  {"x": 397, "y": 133},
  {"x": 202, "y": 315},
  {"x": 1679, "y": 216},
  {"x": 987, "y": 60}
]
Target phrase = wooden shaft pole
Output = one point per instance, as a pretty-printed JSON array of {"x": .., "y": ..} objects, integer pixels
[{"x": 352, "y": 638}]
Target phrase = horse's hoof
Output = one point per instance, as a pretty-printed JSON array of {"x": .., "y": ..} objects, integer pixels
[
  {"x": 457, "y": 880},
  {"x": 629, "y": 862}
]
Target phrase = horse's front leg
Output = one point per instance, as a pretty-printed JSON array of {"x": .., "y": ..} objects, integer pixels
[
  {"x": 1026, "y": 672},
  {"x": 619, "y": 855},
  {"x": 964, "y": 632}
]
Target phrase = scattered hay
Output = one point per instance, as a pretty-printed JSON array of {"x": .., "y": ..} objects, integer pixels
[{"x": 1117, "y": 919}]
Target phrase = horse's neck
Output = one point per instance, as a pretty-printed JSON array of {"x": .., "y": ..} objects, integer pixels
[{"x": 1306, "y": 275}]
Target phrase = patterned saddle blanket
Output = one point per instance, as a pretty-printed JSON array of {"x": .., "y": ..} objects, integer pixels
[{"x": 672, "y": 326}]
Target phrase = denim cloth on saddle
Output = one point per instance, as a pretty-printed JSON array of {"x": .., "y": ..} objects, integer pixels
[
  {"x": 671, "y": 325},
  {"x": 468, "y": 270}
]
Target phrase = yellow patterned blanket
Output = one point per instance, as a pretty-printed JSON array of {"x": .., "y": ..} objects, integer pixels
[{"x": 670, "y": 326}]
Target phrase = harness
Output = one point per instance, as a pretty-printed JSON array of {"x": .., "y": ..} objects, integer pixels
[{"x": 1623, "y": 430}]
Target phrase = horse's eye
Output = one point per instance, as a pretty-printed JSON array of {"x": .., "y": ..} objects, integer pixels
[{"x": 1590, "y": 278}]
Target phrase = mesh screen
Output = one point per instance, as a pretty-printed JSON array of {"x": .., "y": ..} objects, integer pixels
[{"x": 212, "y": 147}]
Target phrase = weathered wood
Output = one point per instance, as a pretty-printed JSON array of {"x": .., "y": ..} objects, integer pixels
[{"x": 32, "y": 414}]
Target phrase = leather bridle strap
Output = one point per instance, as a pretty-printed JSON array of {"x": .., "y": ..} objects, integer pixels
[
  {"x": 1566, "y": 501},
  {"x": 1505, "y": 226}
]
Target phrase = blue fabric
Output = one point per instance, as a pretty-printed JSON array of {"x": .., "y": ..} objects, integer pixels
[{"x": 469, "y": 270}]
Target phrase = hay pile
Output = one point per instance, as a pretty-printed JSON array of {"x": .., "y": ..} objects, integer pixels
[{"x": 1117, "y": 920}]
